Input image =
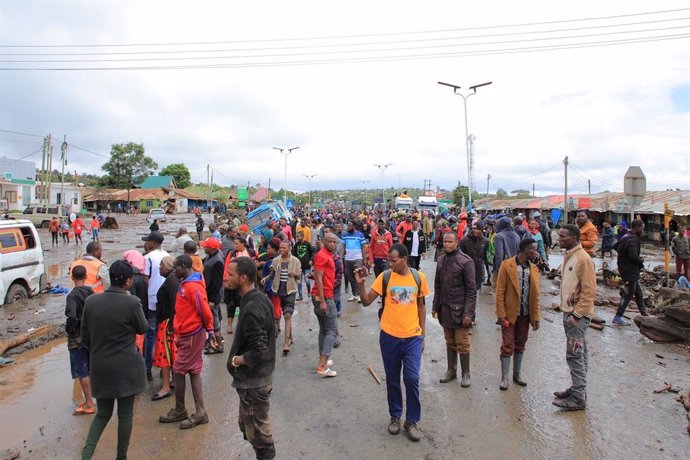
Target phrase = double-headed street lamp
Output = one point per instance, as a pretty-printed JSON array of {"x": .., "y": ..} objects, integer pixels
[
  {"x": 309, "y": 178},
  {"x": 464, "y": 97},
  {"x": 285, "y": 153},
  {"x": 382, "y": 168},
  {"x": 365, "y": 182}
]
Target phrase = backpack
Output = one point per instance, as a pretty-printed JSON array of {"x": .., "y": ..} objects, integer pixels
[{"x": 386, "y": 279}]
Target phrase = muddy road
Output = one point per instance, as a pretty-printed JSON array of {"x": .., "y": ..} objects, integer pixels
[{"x": 346, "y": 417}]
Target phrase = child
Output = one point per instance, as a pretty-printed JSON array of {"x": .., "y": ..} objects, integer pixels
[
  {"x": 95, "y": 228},
  {"x": 64, "y": 230},
  {"x": 78, "y": 357},
  {"x": 78, "y": 226}
]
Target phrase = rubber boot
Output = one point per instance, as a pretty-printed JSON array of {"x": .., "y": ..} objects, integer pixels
[
  {"x": 517, "y": 365},
  {"x": 505, "y": 370},
  {"x": 452, "y": 372},
  {"x": 465, "y": 365}
]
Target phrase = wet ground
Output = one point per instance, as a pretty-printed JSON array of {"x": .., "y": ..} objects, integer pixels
[{"x": 346, "y": 417}]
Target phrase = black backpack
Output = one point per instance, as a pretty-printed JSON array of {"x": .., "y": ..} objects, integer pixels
[{"x": 386, "y": 279}]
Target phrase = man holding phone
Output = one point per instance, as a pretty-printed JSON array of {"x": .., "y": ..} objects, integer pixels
[{"x": 324, "y": 305}]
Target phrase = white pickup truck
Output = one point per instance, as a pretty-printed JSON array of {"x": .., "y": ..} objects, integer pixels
[{"x": 22, "y": 273}]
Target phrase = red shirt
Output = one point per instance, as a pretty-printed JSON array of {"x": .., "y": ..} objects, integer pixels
[
  {"x": 323, "y": 262},
  {"x": 78, "y": 225},
  {"x": 191, "y": 306},
  {"x": 380, "y": 244}
]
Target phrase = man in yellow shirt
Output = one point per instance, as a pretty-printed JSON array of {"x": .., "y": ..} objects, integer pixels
[{"x": 402, "y": 334}]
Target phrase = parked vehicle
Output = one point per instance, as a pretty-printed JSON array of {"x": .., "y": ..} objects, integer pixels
[
  {"x": 262, "y": 215},
  {"x": 403, "y": 203},
  {"x": 22, "y": 272},
  {"x": 156, "y": 213},
  {"x": 40, "y": 215},
  {"x": 427, "y": 203}
]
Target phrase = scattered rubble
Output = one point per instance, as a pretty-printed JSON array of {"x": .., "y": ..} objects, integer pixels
[{"x": 672, "y": 320}]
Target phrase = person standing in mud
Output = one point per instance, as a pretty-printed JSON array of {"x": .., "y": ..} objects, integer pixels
[
  {"x": 578, "y": 289},
  {"x": 78, "y": 356},
  {"x": 517, "y": 306},
  {"x": 629, "y": 265},
  {"x": 153, "y": 257},
  {"x": 252, "y": 357},
  {"x": 97, "y": 277},
  {"x": 109, "y": 326},
  {"x": 200, "y": 227},
  {"x": 214, "y": 265},
  {"x": 78, "y": 227},
  {"x": 454, "y": 304}
]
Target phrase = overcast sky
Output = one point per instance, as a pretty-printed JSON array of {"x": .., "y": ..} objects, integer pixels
[{"x": 254, "y": 75}]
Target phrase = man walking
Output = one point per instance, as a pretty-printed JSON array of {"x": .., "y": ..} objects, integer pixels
[
  {"x": 402, "y": 316},
  {"x": 517, "y": 306},
  {"x": 475, "y": 245},
  {"x": 506, "y": 244},
  {"x": 252, "y": 357},
  {"x": 97, "y": 276},
  {"x": 415, "y": 242},
  {"x": 455, "y": 298},
  {"x": 214, "y": 265},
  {"x": 629, "y": 265},
  {"x": 681, "y": 249},
  {"x": 324, "y": 304},
  {"x": 355, "y": 247},
  {"x": 588, "y": 232},
  {"x": 304, "y": 252},
  {"x": 381, "y": 242},
  {"x": 578, "y": 289}
]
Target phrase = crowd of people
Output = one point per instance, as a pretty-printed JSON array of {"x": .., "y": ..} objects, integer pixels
[{"x": 164, "y": 306}]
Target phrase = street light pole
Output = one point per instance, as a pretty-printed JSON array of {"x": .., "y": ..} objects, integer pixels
[
  {"x": 309, "y": 178},
  {"x": 382, "y": 168},
  {"x": 464, "y": 97},
  {"x": 285, "y": 153},
  {"x": 365, "y": 182}
]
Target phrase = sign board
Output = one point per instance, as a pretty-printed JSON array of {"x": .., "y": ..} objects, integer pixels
[
  {"x": 584, "y": 203},
  {"x": 290, "y": 204},
  {"x": 634, "y": 185},
  {"x": 623, "y": 206}
]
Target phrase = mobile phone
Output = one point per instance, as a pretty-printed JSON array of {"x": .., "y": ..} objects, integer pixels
[{"x": 363, "y": 272}]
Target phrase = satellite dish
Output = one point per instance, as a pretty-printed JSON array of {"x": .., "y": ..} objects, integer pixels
[{"x": 72, "y": 217}]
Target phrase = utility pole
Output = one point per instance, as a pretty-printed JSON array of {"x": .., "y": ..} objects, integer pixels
[
  {"x": 42, "y": 174},
  {"x": 589, "y": 186},
  {"x": 488, "y": 178},
  {"x": 309, "y": 178},
  {"x": 50, "y": 168},
  {"x": 283, "y": 152},
  {"x": 208, "y": 183},
  {"x": 63, "y": 157},
  {"x": 365, "y": 182},
  {"x": 468, "y": 140},
  {"x": 382, "y": 168},
  {"x": 565, "y": 194},
  {"x": 533, "y": 193}
]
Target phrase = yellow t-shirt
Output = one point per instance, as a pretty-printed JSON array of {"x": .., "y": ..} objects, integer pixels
[{"x": 400, "y": 318}]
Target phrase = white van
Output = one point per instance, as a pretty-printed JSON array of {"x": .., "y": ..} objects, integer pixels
[
  {"x": 40, "y": 215},
  {"x": 22, "y": 273}
]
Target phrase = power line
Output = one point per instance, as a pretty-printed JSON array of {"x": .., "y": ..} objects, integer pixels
[
  {"x": 89, "y": 151},
  {"x": 334, "y": 37},
  {"x": 20, "y": 133},
  {"x": 409, "y": 57},
  {"x": 348, "y": 52},
  {"x": 389, "y": 42}
]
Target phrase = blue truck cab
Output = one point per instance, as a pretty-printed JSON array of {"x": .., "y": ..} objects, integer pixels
[{"x": 265, "y": 213}]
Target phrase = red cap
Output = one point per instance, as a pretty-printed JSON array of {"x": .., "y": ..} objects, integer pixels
[{"x": 211, "y": 243}]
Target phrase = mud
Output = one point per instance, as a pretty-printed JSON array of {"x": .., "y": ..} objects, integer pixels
[{"x": 346, "y": 417}]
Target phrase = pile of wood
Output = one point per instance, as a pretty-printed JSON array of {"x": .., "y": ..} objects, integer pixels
[{"x": 672, "y": 320}]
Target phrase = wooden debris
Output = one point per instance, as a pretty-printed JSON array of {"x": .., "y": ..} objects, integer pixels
[
  {"x": 667, "y": 388},
  {"x": 596, "y": 326},
  {"x": 23, "y": 338},
  {"x": 374, "y": 374}
]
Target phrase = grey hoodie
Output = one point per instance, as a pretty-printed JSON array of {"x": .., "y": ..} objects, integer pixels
[{"x": 507, "y": 242}]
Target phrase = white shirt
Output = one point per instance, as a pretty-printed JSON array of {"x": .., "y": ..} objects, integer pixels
[
  {"x": 177, "y": 247},
  {"x": 415, "y": 244},
  {"x": 152, "y": 270}
]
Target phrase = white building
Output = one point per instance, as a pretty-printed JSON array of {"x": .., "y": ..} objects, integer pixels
[
  {"x": 18, "y": 183},
  {"x": 74, "y": 195}
]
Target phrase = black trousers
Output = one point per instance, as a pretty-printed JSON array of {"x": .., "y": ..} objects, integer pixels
[{"x": 631, "y": 288}]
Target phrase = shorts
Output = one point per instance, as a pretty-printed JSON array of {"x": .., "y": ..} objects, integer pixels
[
  {"x": 287, "y": 303},
  {"x": 189, "y": 358},
  {"x": 79, "y": 363}
]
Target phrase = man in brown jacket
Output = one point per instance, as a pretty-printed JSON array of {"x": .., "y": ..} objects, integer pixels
[
  {"x": 517, "y": 306},
  {"x": 578, "y": 289},
  {"x": 455, "y": 298},
  {"x": 588, "y": 232}
]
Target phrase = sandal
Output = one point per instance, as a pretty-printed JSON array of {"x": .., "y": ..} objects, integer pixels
[
  {"x": 158, "y": 396},
  {"x": 83, "y": 411},
  {"x": 327, "y": 373}
]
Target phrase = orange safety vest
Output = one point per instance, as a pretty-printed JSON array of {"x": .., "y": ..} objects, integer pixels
[{"x": 92, "y": 279}]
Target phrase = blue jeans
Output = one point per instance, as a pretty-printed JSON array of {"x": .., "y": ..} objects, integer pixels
[
  {"x": 402, "y": 355},
  {"x": 305, "y": 272},
  {"x": 328, "y": 326},
  {"x": 150, "y": 340}
]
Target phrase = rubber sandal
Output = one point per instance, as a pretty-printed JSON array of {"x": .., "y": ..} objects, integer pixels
[
  {"x": 158, "y": 397},
  {"x": 81, "y": 411},
  {"x": 327, "y": 373}
]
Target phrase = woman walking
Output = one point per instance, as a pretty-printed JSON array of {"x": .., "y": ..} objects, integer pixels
[
  {"x": 286, "y": 270},
  {"x": 110, "y": 323},
  {"x": 164, "y": 351}
]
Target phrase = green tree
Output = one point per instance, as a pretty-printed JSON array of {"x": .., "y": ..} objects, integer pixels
[
  {"x": 180, "y": 173},
  {"x": 459, "y": 193},
  {"x": 520, "y": 193},
  {"x": 128, "y": 164},
  {"x": 500, "y": 193}
]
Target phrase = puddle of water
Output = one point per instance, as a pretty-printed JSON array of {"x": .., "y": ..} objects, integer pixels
[{"x": 42, "y": 373}]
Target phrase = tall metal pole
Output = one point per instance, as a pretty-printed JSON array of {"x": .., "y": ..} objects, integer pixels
[
  {"x": 309, "y": 178},
  {"x": 382, "y": 168},
  {"x": 565, "y": 189},
  {"x": 488, "y": 178},
  {"x": 467, "y": 135},
  {"x": 365, "y": 182},
  {"x": 63, "y": 156},
  {"x": 286, "y": 153},
  {"x": 43, "y": 170}
]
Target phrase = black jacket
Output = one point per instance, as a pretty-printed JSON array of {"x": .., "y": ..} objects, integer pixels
[
  {"x": 165, "y": 298},
  {"x": 140, "y": 289},
  {"x": 255, "y": 340},
  {"x": 214, "y": 265},
  {"x": 422, "y": 241},
  {"x": 74, "y": 308},
  {"x": 455, "y": 290},
  {"x": 476, "y": 249},
  {"x": 629, "y": 261}
]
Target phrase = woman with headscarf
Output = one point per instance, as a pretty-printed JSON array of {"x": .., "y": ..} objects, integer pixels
[{"x": 164, "y": 351}]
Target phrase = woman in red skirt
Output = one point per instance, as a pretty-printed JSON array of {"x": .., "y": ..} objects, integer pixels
[{"x": 164, "y": 351}]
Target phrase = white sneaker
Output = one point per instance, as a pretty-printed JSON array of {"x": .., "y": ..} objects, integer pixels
[
  {"x": 359, "y": 299},
  {"x": 352, "y": 299}
]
